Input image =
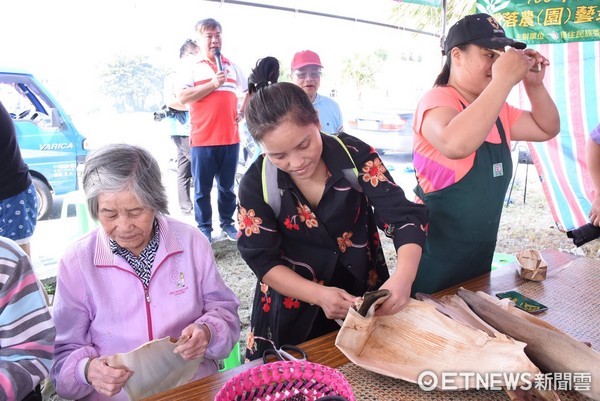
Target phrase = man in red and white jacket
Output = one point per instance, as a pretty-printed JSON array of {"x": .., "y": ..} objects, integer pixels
[{"x": 210, "y": 89}]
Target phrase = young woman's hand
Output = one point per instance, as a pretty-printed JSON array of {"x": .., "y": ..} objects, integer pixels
[
  {"x": 335, "y": 302},
  {"x": 398, "y": 299}
]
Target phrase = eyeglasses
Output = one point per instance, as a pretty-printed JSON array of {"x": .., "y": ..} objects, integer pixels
[{"x": 303, "y": 74}]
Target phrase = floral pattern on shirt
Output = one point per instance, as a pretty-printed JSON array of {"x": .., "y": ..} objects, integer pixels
[
  {"x": 251, "y": 346},
  {"x": 250, "y": 342},
  {"x": 248, "y": 221},
  {"x": 373, "y": 277},
  {"x": 306, "y": 216},
  {"x": 345, "y": 242},
  {"x": 376, "y": 239},
  {"x": 290, "y": 223},
  {"x": 374, "y": 172},
  {"x": 291, "y": 303},
  {"x": 266, "y": 299}
]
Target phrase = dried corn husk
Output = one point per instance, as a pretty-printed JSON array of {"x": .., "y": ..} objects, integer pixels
[
  {"x": 420, "y": 338},
  {"x": 509, "y": 306},
  {"x": 551, "y": 349},
  {"x": 456, "y": 308},
  {"x": 156, "y": 368},
  {"x": 531, "y": 265}
]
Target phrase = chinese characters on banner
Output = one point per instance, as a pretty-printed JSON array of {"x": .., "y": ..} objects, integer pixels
[
  {"x": 546, "y": 21},
  {"x": 567, "y": 32}
]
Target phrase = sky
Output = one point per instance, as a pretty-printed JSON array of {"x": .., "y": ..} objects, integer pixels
[{"x": 64, "y": 42}]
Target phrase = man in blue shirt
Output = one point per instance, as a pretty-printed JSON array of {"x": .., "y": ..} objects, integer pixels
[
  {"x": 179, "y": 122},
  {"x": 306, "y": 73}
]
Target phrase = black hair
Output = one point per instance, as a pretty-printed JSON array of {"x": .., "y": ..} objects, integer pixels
[
  {"x": 272, "y": 102},
  {"x": 188, "y": 46},
  {"x": 265, "y": 72},
  {"x": 444, "y": 75}
]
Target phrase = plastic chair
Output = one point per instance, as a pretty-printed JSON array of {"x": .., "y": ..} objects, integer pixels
[
  {"x": 233, "y": 360},
  {"x": 84, "y": 221}
]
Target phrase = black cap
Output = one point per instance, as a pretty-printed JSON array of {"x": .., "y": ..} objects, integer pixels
[{"x": 478, "y": 29}]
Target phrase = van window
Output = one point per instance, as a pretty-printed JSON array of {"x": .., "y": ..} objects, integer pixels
[
  {"x": 50, "y": 144},
  {"x": 20, "y": 106}
]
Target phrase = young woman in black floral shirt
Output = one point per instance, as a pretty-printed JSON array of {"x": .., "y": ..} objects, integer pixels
[{"x": 316, "y": 248}]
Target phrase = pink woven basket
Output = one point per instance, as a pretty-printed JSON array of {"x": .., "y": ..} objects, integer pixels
[{"x": 287, "y": 381}]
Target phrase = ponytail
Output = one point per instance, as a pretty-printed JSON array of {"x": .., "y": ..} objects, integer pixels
[
  {"x": 270, "y": 102},
  {"x": 444, "y": 76}
]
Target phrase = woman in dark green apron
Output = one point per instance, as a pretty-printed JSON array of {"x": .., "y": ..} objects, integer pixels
[
  {"x": 461, "y": 239},
  {"x": 462, "y": 157}
]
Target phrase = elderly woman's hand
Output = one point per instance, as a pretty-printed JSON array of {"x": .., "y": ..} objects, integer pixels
[
  {"x": 104, "y": 379},
  {"x": 198, "y": 337}
]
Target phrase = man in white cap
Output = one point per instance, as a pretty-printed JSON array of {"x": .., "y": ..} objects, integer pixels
[{"x": 306, "y": 73}]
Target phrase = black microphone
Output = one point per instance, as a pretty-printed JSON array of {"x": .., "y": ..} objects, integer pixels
[{"x": 217, "y": 53}]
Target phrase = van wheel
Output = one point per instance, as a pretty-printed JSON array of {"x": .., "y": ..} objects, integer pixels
[{"x": 44, "y": 195}]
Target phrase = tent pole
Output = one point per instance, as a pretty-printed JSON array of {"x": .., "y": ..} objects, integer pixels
[{"x": 443, "y": 35}]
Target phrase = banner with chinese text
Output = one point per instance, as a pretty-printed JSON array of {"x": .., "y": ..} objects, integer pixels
[
  {"x": 546, "y": 21},
  {"x": 573, "y": 80},
  {"x": 567, "y": 32}
]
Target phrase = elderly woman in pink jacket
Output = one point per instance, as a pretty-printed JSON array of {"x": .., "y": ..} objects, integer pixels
[{"x": 140, "y": 276}]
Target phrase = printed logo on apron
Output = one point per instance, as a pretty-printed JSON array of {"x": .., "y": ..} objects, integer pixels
[{"x": 498, "y": 170}]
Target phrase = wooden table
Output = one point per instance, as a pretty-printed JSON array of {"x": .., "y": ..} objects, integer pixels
[{"x": 323, "y": 350}]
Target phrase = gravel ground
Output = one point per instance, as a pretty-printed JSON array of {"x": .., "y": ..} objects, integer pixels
[{"x": 530, "y": 224}]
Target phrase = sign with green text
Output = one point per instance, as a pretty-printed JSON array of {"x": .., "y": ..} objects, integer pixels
[{"x": 546, "y": 21}]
